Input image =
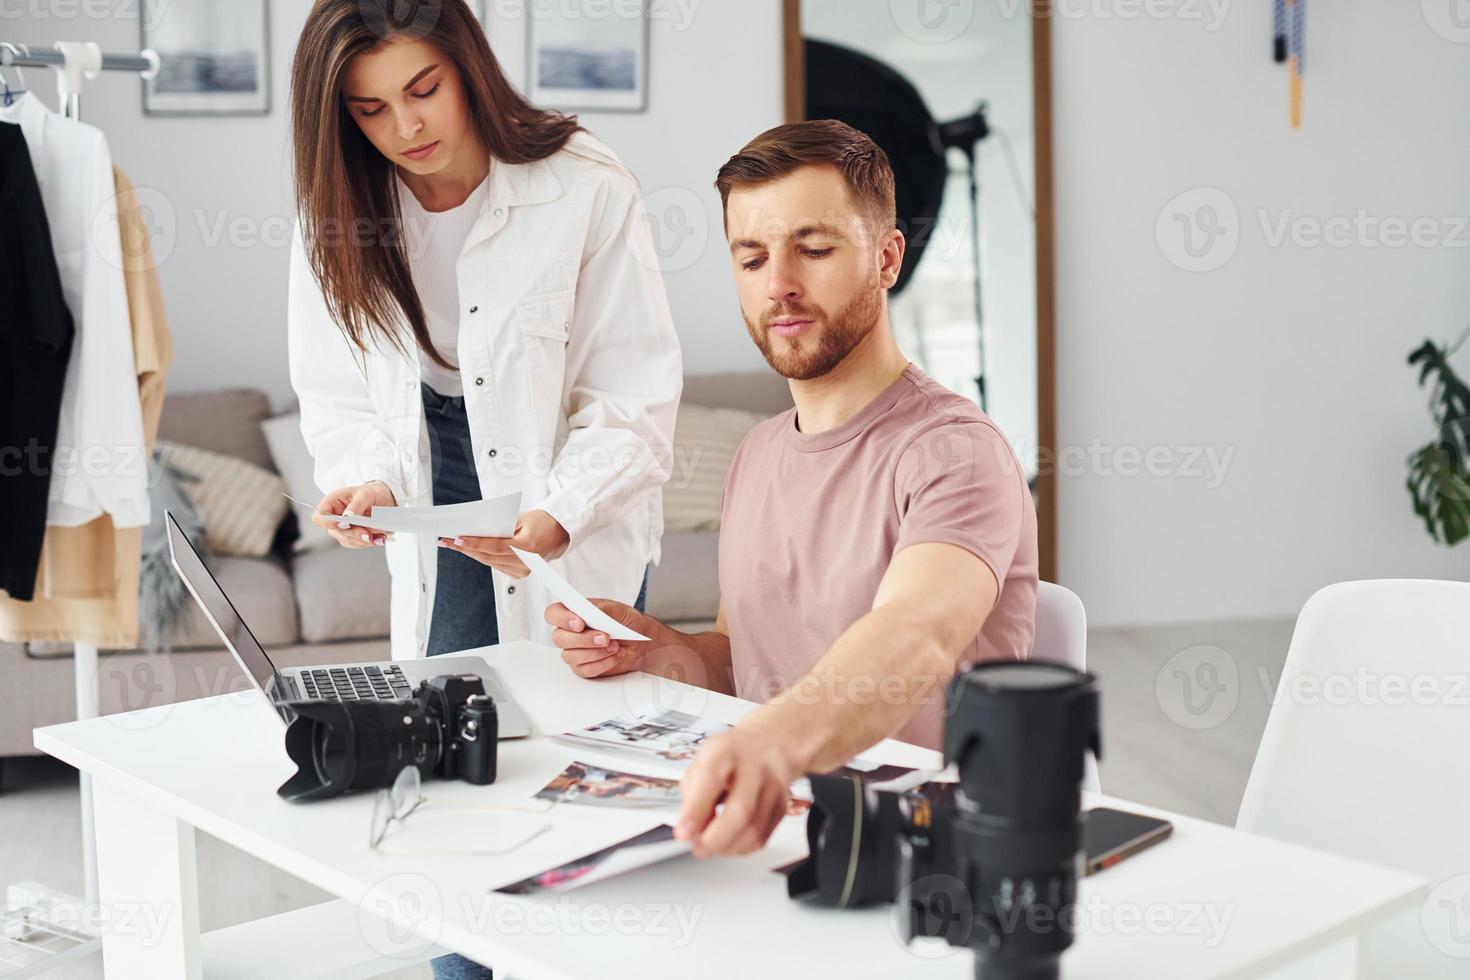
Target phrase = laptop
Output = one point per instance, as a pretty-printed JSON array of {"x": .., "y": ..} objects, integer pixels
[{"x": 394, "y": 681}]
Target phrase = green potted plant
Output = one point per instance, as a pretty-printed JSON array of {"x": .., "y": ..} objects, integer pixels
[{"x": 1439, "y": 472}]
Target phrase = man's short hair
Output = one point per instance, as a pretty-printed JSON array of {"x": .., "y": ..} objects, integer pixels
[{"x": 779, "y": 151}]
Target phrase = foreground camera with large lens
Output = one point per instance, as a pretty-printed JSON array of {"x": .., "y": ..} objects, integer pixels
[
  {"x": 448, "y": 728},
  {"x": 991, "y": 861}
]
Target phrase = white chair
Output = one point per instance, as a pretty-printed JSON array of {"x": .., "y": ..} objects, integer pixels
[
  {"x": 1367, "y": 754},
  {"x": 1061, "y": 637}
]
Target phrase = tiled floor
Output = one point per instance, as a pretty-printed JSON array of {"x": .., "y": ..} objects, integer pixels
[{"x": 1183, "y": 711}]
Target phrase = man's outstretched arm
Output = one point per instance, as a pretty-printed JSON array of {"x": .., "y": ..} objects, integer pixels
[{"x": 884, "y": 669}]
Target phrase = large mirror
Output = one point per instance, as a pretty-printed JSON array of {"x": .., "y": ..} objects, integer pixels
[{"x": 957, "y": 95}]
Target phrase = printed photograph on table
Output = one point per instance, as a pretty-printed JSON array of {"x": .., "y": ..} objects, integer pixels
[
  {"x": 583, "y": 782},
  {"x": 672, "y": 736},
  {"x": 581, "y": 54},
  {"x": 213, "y": 59},
  {"x": 638, "y": 851}
]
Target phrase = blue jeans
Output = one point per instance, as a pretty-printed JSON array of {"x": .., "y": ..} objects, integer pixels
[{"x": 464, "y": 594}]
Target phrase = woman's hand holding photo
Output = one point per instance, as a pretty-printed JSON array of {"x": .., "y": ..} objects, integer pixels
[
  {"x": 536, "y": 531},
  {"x": 358, "y": 501}
]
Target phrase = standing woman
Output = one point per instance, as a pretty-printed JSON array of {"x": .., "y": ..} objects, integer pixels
[{"x": 475, "y": 310}]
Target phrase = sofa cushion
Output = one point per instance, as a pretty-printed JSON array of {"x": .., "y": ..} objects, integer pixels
[
  {"x": 241, "y": 503},
  {"x": 705, "y": 440},
  {"x": 342, "y": 593},
  {"x": 221, "y": 421},
  {"x": 261, "y": 592},
  {"x": 685, "y": 584},
  {"x": 294, "y": 463}
]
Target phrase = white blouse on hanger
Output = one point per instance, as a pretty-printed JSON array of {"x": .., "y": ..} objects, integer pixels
[{"x": 101, "y": 462}]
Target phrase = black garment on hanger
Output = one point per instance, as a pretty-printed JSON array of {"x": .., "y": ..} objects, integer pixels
[{"x": 36, "y": 332}]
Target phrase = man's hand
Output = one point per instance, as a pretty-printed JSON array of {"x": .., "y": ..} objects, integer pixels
[
  {"x": 536, "y": 531},
  {"x": 751, "y": 770},
  {"x": 357, "y": 501},
  {"x": 592, "y": 653}
]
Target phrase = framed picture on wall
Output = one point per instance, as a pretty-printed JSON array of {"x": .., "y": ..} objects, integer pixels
[
  {"x": 587, "y": 55},
  {"x": 213, "y": 59}
]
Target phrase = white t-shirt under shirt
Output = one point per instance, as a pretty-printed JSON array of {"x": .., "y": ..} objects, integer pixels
[{"x": 434, "y": 240}]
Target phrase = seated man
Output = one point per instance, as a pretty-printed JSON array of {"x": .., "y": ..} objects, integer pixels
[{"x": 873, "y": 540}]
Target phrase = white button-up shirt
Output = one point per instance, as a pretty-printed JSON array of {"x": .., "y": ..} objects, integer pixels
[
  {"x": 100, "y": 464},
  {"x": 572, "y": 375}
]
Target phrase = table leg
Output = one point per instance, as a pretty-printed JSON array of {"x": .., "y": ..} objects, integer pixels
[{"x": 148, "y": 888}]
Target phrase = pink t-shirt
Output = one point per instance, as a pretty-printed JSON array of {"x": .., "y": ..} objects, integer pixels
[{"x": 810, "y": 523}]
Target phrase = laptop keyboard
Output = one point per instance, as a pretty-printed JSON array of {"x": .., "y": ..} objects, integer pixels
[{"x": 367, "y": 683}]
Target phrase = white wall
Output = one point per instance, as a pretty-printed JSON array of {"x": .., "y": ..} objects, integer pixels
[
  {"x": 226, "y": 293},
  {"x": 1289, "y": 356}
]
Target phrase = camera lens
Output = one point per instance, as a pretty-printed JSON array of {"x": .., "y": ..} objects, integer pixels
[
  {"x": 1018, "y": 734},
  {"x": 328, "y": 751}
]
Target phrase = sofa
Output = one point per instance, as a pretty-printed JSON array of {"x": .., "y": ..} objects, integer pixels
[{"x": 321, "y": 606}]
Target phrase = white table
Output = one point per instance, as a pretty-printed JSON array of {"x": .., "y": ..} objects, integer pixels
[{"x": 1210, "y": 902}]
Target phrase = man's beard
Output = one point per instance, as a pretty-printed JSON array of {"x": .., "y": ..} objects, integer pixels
[{"x": 818, "y": 351}]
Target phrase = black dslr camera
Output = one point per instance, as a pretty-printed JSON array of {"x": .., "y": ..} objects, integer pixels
[
  {"x": 448, "y": 728},
  {"x": 992, "y": 861}
]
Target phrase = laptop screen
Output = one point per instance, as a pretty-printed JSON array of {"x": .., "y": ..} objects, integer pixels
[{"x": 219, "y": 610}]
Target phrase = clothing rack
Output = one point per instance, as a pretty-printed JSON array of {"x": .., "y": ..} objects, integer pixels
[{"x": 73, "y": 62}]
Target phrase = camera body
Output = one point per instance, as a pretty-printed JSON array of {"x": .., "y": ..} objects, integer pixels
[
  {"x": 447, "y": 728},
  {"x": 991, "y": 861},
  {"x": 469, "y": 726}
]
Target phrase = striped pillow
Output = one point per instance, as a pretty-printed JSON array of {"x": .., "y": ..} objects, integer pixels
[
  {"x": 241, "y": 503},
  {"x": 705, "y": 440}
]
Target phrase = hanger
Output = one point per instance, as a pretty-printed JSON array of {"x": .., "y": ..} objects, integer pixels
[{"x": 20, "y": 77}]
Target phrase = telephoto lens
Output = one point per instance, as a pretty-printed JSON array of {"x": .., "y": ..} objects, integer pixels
[
  {"x": 990, "y": 862},
  {"x": 1018, "y": 734}
]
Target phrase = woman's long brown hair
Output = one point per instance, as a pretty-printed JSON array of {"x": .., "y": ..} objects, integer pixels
[{"x": 346, "y": 195}]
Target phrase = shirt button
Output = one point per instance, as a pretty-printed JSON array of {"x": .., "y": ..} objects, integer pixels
[
  {"x": 499, "y": 212},
  {"x": 491, "y": 454},
  {"x": 474, "y": 309},
  {"x": 510, "y": 590},
  {"x": 479, "y": 381},
  {"x": 423, "y": 587}
]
